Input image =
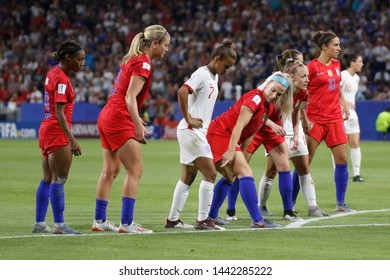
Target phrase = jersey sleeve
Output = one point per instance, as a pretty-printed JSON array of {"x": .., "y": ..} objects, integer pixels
[
  {"x": 253, "y": 101},
  {"x": 195, "y": 82},
  {"x": 142, "y": 68},
  {"x": 61, "y": 88}
]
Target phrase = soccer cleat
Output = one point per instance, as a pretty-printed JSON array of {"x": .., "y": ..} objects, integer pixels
[
  {"x": 133, "y": 228},
  {"x": 231, "y": 215},
  {"x": 220, "y": 221},
  {"x": 64, "y": 229},
  {"x": 317, "y": 212},
  {"x": 230, "y": 218},
  {"x": 290, "y": 216},
  {"x": 357, "y": 178},
  {"x": 264, "y": 212},
  {"x": 41, "y": 228},
  {"x": 343, "y": 207},
  {"x": 104, "y": 226},
  {"x": 264, "y": 223},
  {"x": 176, "y": 224},
  {"x": 207, "y": 224}
]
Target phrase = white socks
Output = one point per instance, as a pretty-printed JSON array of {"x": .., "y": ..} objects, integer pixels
[
  {"x": 356, "y": 158},
  {"x": 265, "y": 186},
  {"x": 205, "y": 199},
  {"x": 180, "y": 195},
  {"x": 308, "y": 189}
]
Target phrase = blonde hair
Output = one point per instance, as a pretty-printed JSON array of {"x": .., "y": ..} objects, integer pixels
[
  {"x": 285, "y": 102},
  {"x": 143, "y": 40}
]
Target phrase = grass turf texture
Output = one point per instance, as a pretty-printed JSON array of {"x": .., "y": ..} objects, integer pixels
[{"x": 362, "y": 236}]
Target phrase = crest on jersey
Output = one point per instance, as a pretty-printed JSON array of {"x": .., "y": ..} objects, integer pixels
[{"x": 330, "y": 73}]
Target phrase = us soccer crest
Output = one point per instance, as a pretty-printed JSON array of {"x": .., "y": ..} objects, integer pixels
[{"x": 330, "y": 73}]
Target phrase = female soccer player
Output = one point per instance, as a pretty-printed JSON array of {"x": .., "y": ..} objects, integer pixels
[
  {"x": 324, "y": 111},
  {"x": 230, "y": 134},
  {"x": 56, "y": 140},
  {"x": 197, "y": 98},
  {"x": 291, "y": 62},
  {"x": 349, "y": 86},
  {"x": 122, "y": 131}
]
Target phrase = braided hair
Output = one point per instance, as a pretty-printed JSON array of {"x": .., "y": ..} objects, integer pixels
[{"x": 70, "y": 47}]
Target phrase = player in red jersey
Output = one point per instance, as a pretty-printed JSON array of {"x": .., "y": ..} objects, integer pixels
[
  {"x": 56, "y": 140},
  {"x": 122, "y": 130},
  {"x": 324, "y": 111},
  {"x": 283, "y": 141},
  {"x": 230, "y": 134}
]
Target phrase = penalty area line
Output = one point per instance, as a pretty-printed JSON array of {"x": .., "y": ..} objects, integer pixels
[
  {"x": 294, "y": 225},
  {"x": 298, "y": 224}
]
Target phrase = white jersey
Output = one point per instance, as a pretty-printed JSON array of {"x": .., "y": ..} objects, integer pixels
[
  {"x": 288, "y": 126},
  {"x": 349, "y": 86},
  {"x": 204, "y": 87}
]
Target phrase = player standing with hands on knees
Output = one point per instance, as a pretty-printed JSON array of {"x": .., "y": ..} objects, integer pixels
[
  {"x": 230, "y": 133},
  {"x": 56, "y": 140},
  {"x": 324, "y": 112},
  {"x": 197, "y": 99},
  {"x": 122, "y": 131}
]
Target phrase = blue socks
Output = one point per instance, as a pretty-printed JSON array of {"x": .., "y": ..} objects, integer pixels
[
  {"x": 233, "y": 194},
  {"x": 249, "y": 196},
  {"x": 100, "y": 209},
  {"x": 221, "y": 190},
  {"x": 285, "y": 189},
  {"x": 127, "y": 210},
  {"x": 341, "y": 181},
  {"x": 42, "y": 201},
  {"x": 295, "y": 185},
  {"x": 57, "y": 200}
]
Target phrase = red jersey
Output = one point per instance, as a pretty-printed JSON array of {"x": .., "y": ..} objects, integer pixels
[
  {"x": 300, "y": 97},
  {"x": 324, "y": 89},
  {"x": 276, "y": 118},
  {"x": 58, "y": 89},
  {"x": 136, "y": 66},
  {"x": 256, "y": 102}
]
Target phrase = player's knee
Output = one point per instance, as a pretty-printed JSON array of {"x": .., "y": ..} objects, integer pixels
[
  {"x": 271, "y": 173},
  {"x": 61, "y": 179}
]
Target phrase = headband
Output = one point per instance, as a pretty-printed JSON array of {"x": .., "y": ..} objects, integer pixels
[
  {"x": 280, "y": 80},
  {"x": 295, "y": 66}
]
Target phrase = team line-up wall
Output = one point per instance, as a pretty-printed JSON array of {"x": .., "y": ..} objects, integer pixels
[{"x": 85, "y": 116}]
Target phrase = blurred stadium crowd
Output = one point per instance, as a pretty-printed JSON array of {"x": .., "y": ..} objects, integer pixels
[{"x": 31, "y": 30}]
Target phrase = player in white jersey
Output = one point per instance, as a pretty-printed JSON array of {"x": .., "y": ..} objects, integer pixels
[
  {"x": 196, "y": 99},
  {"x": 349, "y": 86}
]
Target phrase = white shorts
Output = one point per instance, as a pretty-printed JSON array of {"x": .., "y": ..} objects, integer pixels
[
  {"x": 352, "y": 124},
  {"x": 302, "y": 147},
  {"x": 193, "y": 144}
]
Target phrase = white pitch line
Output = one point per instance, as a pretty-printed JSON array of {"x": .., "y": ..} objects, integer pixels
[
  {"x": 294, "y": 225},
  {"x": 298, "y": 224}
]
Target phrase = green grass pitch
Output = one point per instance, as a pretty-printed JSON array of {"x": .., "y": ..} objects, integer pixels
[{"x": 361, "y": 236}]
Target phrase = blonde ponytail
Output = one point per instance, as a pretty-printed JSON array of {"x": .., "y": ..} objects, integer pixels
[{"x": 143, "y": 40}]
